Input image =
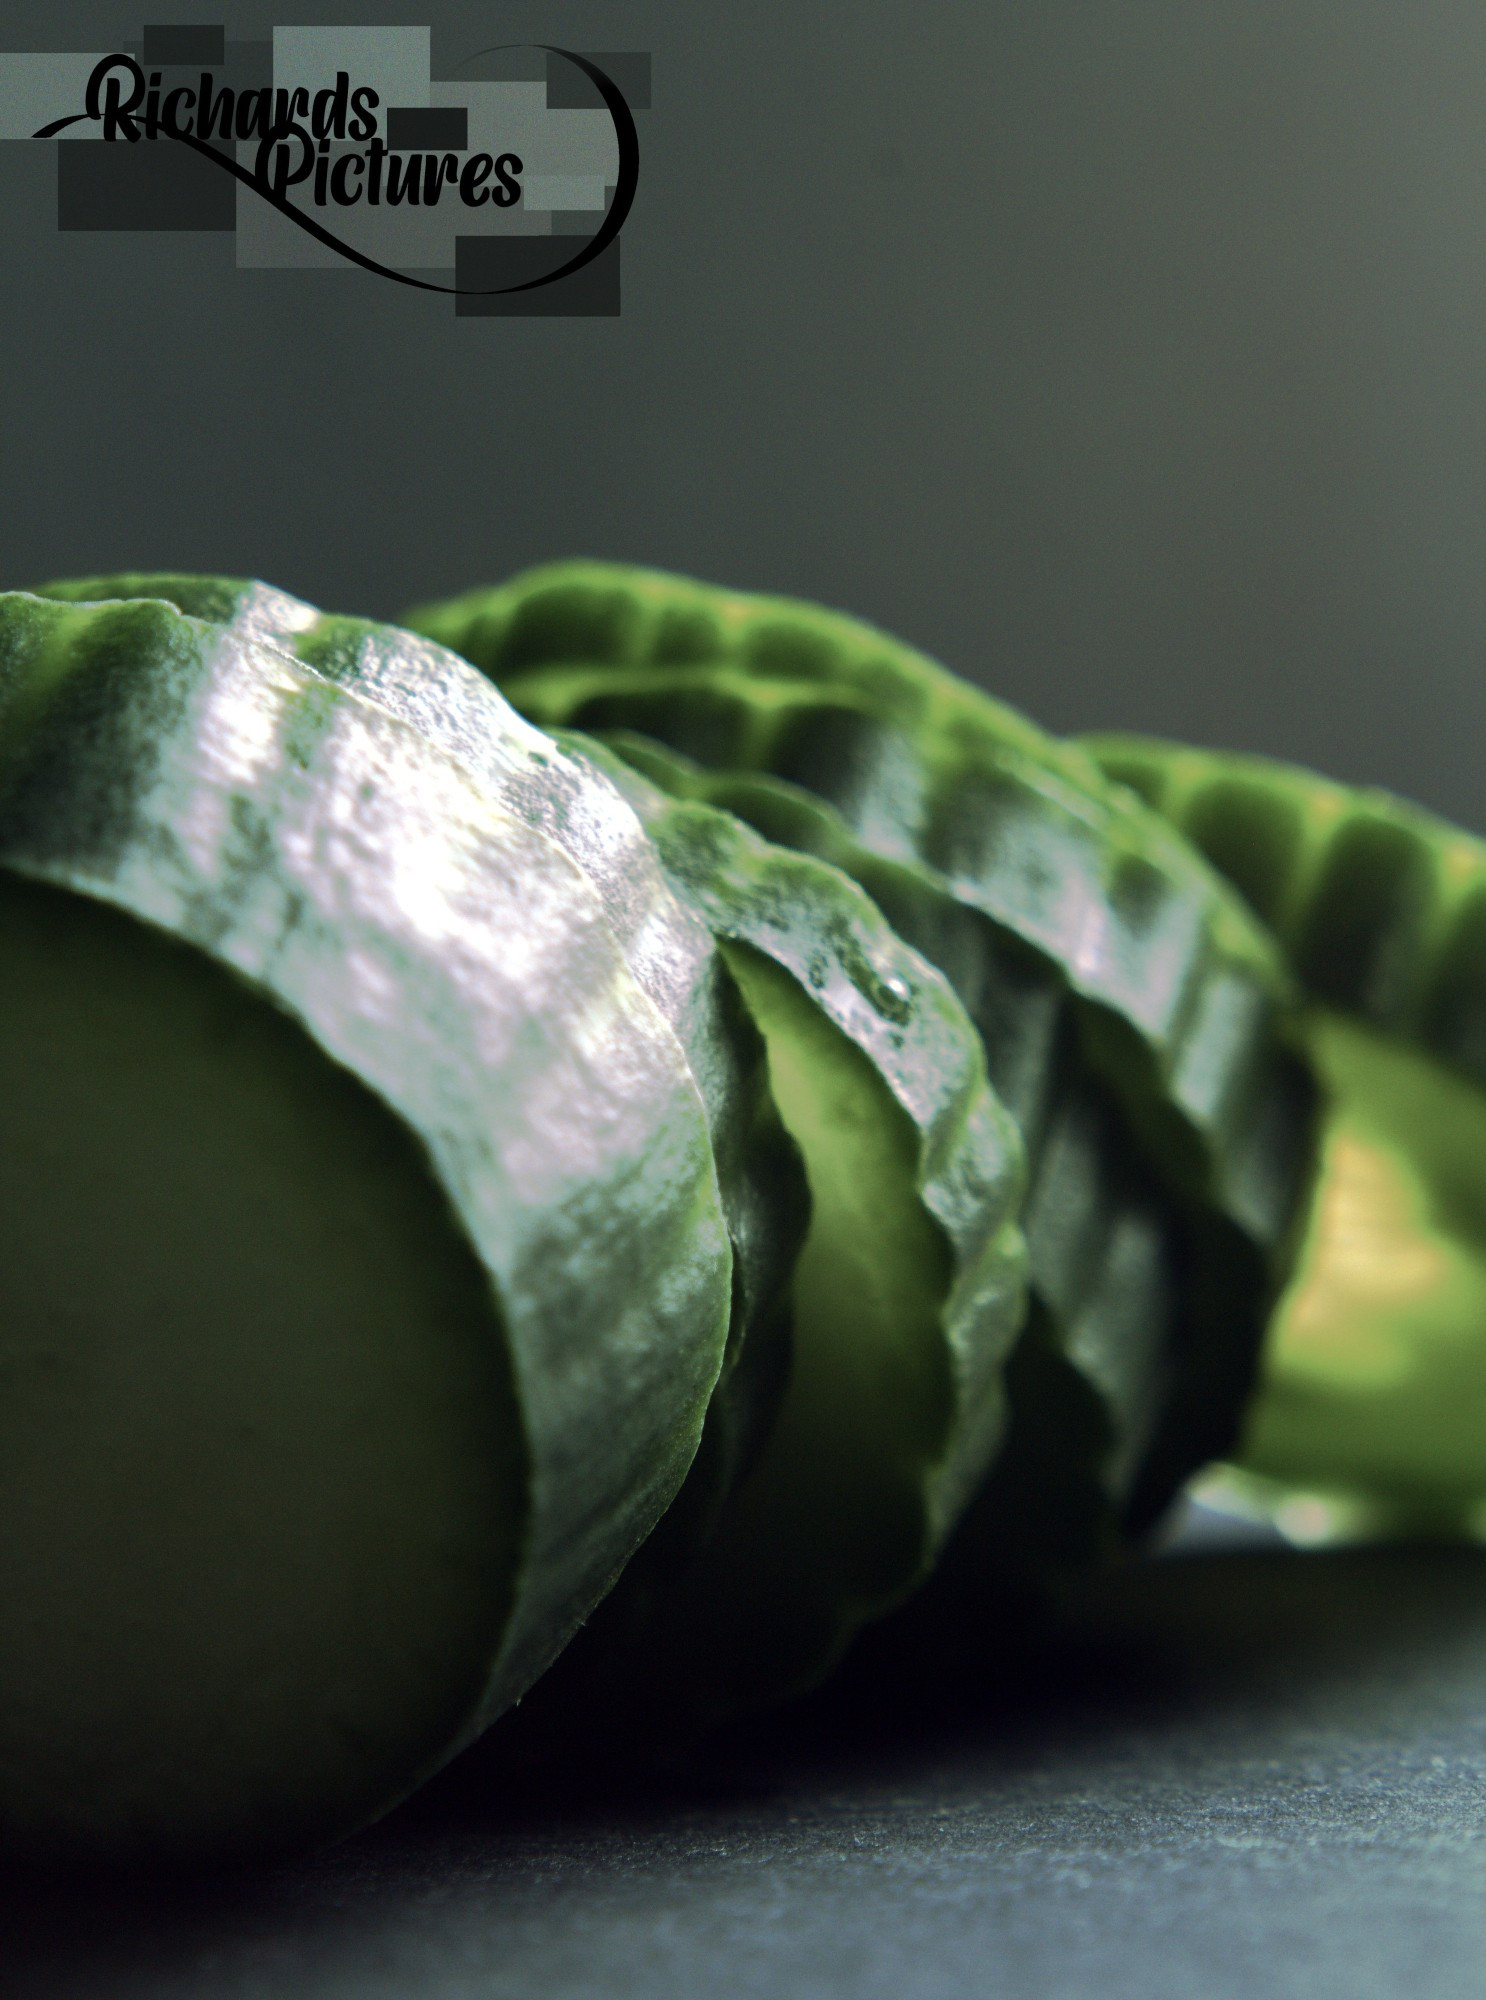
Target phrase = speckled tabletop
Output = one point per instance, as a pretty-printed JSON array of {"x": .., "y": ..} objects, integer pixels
[{"x": 1241, "y": 1772}]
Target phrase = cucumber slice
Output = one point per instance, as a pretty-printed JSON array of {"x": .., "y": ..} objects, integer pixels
[
  {"x": 1181, "y": 990},
  {"x": 1180, "y": 996},
  {"x": 671, "y": 953},
  {"x": 908, "y": 1296},
  {"x": 1103, "y": 1244},
  {"x": 345, "y": 1163},
  {"x": 1382, "y": 907}
]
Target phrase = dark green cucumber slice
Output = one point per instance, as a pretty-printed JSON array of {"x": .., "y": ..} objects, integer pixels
[
  {"x": 908, "y": 1295},
  {"x": 363, "y": 1267},
  {"x": 670, "y": 952},
  {"x": 1181, "y": 990}
]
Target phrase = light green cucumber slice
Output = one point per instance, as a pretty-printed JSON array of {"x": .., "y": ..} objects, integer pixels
[
  {"x": 907, "y": 1298},
  {"x": 670, "y": 952},
  {"x": 1374, "y": 1375},
  {"x": 364, "y": 1274},
  {"x": 1377, "y": 1350}
]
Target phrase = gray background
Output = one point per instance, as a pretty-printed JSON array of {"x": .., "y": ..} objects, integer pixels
[
  {"x": 1129, "y": 356},
  {"x": 1132, "y": 357}
]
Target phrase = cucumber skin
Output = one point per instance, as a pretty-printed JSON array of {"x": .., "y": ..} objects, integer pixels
[
  {"x": 670, "y": 952},
  {"x": 924, "y": 768},
  {"x": 1380, "y": 905},
  {"x": 222, "y": 793}
]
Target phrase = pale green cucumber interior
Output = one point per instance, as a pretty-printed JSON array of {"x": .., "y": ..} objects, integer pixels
[
  {"x": 833, "y": 1522},
  {"x": 1374, "y": 1380},
  {"x": 261, "y": 1465}
]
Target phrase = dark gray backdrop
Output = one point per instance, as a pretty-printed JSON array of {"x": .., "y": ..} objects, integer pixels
[{"x": 1131, "y": 356}]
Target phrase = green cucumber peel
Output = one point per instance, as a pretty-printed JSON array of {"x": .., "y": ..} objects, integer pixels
[
  {"x": 889, "y": 1424},
  {"x": 454, "y": 970}
]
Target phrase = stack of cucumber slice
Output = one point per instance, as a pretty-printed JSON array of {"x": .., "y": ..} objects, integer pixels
[
  {"x": 1129, "y": 1005},
  {"x": 639, "y": 1123}
]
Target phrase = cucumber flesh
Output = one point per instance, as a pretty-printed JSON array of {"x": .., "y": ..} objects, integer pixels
[
  {"x": 262, "y": 1467},
  {"x": 459, "y": 966},
  {"x": 831, "y": 1526}
]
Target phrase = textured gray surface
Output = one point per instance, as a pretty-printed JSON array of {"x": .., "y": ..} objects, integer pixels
[{"x": 1248, "y": 1773}]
